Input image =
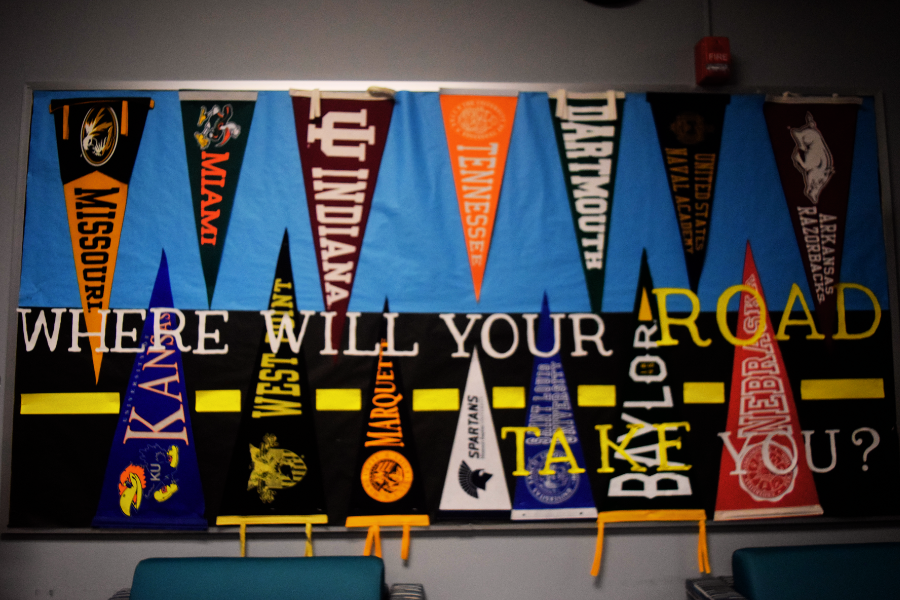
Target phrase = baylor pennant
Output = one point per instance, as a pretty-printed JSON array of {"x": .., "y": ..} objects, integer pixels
[
  {"x": 216, "y": 127},
  {"x": 97, "y": 141},
  {"x": 152, "y": 479}
]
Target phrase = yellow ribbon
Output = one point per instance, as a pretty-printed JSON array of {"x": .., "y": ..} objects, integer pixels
[{"x": 620, "y": 516}]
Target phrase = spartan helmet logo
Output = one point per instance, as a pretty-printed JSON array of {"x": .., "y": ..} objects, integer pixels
[
  {"x": 472, "y": 481},
  {"x": 273, "y": 468},
  {"x": 99, "y": 135}
]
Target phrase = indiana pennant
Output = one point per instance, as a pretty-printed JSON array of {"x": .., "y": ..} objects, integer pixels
[
  {"x": 478, "y": 130},
  {"x": 475, "y": 479},
  {"x": 388, "y": 490},
  {"x": 689, "y": 128},
  {"x": 216, "y": 127},
  {"x": 813, "y": 139},
  {"x": 552, "y": 482},
  {"x": 341, "y": 137},
  {"x": 152, "y": 479},
  {"x": 97, "y": 141},
  {"x": 275, "y": 475},
  {"x": 588, "y": 128},
  {"x": 763, "y": 472}
]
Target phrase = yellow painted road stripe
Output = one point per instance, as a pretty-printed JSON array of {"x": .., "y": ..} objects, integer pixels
[
  {"x": 597, "y": 395},
  {"x": 508, "y": 397},
  {"x": 704, "y": 392},
  {"x": 841, "y": 389},
  {"x": 218, "y": 401},
  {"x": 338, "y": 399},
  {"x": 436, "y": 399},
  {"x": 86, "y": 403}
]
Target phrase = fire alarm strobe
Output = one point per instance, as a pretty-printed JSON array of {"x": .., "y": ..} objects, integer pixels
[{"x": 712, "y": 57}]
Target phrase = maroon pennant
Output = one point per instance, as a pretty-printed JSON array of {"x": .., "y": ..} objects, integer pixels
[
  {"x": 813, "y": 140},
  {"x": 341, "y": 138}
]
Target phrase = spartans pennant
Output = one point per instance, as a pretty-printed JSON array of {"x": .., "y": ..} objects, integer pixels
[
  {"x": 97, "y": 141},
  {"x": 341, "y": 139},
  {"x": 813, "y": 140},
  {"x": 216, "y": 127},
  {"x": 763, "y": 472},
  {"x": 478, "y": 131}
]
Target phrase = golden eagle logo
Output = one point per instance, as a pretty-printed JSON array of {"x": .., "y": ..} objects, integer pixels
[
  {"x": 273, "y": 468},
  {"x": 99, "y": 135}
]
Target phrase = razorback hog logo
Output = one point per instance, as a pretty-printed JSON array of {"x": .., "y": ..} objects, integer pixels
[
  {"x": 217, "y": 126},
  {"x": 812, "y": 157}
]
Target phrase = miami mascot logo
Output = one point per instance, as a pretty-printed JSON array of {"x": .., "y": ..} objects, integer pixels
[
  {"x": 157, "y": 462},
  {"x": 99, "y": 135},
  {"x": 217, "y": 127}
]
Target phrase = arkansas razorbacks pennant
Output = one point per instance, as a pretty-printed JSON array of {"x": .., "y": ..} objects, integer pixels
[
  {"x": 97, "y": 141},
  {"x": 152, "y": 479},
  {"x": 341, "y": 137},
  {"x": 588, "y": 128},
  {"x": 813, "y": 140},
  {"x": 275, "y": 474},
  {"x": 689, "y": 128},
  {"x": 216, "y": 127},
  {"x": 478, "y": 131},
  {"x": 763, "y": 471}
]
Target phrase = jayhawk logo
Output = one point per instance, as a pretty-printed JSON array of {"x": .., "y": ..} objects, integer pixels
[
  {"x": 217, "y": 127},
  {"x": 157, "y": 464}
]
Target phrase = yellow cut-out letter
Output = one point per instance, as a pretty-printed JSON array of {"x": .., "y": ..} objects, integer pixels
[
  {"x": 520, "y": 432},
  {"x": 786, "y": 319},
  {"x": 605, "y": 445},
  {"x": 559, "y": 436},
  {"x": 664, "y": 444},
  {"x": 665, "y": 321},
  {"x": 722, "y": 311},
  {"x": 842, "y": 314}
]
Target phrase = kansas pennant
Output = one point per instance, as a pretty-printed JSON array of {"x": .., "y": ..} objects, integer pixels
[
  {"x": 275, "y": 474},
  {"x": 97, "y": 141},
  {"x": 478, "y": 131},
  {"x": 341, "y": 139},
  {"x": 475, "y": 478},
  {"x": 152, "y": 479},
  {"x": 588, "y": 128},
  {"x": 763, "y": 471},
  {"x": 216, "y": 127},
  {"x": 552, "y": 482},
  {"x": 689, "y": 128},
  {"x": 813, "y": 140}
]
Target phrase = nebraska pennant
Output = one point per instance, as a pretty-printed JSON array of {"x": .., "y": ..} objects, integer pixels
[
  {"x": 552, "y": 482},
  {"x": 152, "y": 479},
  {"x": 216, "y": 127},
  {"x": 813, "y": 140},
  {"x": 478, "y": 131},
  {"x": 97, "y": 141},
  {"x": 475, "y": 479},
  {"x": 275, "y": 474},
  {"x": 588, "y": 128},
  {"x": 341, "y": 138},
  {"x": 689, "y": 128},
  {"x": 763, "y": 471}
]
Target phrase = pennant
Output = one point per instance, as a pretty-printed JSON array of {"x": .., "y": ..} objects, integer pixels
[
  {"x": 275, "y": 475},
  {"x": 588, "y": 128},
  {"x": 97, "y": 141},
  {"x": 152, "y": 479},
  {"x": 475, "y": 479},
  {"x": 689, "y": 128},
  {"x": 216, "y": 128},
  {"x": 552, "y": 482},
  {"x": 388, "y": 491},
  {"x": 763, "y": 472},
  {"x": 341, "y": 137},
  {"x": 813, "y": 139},
  {"x": 478, "y": 130}
]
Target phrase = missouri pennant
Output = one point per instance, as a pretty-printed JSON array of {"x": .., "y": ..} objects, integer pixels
[
  {"x": 341, "y": 137},
  {"x": 689, "y": 128},
  {"x": 275, "y": 474},
  {"x": 763, "y": 471},
  {"x": 588, "y": 128},
  {"x": 478, "y": 131},
  {"x": 97, "y": 141},
  {"x": 813, "y": 140},
  {"x": 216, "y": 127},
  {"x": 152, "y": 479}
]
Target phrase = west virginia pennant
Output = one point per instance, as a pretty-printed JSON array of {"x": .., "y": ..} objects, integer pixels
[
  {"x": 97, "y": 141},
  {"x": 152, "y": 479}
]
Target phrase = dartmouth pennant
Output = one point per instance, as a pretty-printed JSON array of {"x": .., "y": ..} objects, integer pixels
[
  {"x": 588, "y": 128},
  {"x": 813, "y": 140},
  {"x": 275, "y": 474},
  {"x": 689, "y": 128},
  {"x": 97, "y": 141},
  {"x": 152, "y": 479},
  {"x": 341, "y": 139},
  {"x": 216, "y": 127}
]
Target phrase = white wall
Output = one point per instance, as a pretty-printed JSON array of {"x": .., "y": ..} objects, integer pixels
[{"x": 828, "y": 45}]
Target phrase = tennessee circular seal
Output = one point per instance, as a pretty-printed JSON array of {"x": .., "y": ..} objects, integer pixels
[
  {"x": 550, "y": 489},
  {"x": 761, "y": 483},
  {"x": 478, "y": 119},
  {"x": 386, "y": 476}
]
